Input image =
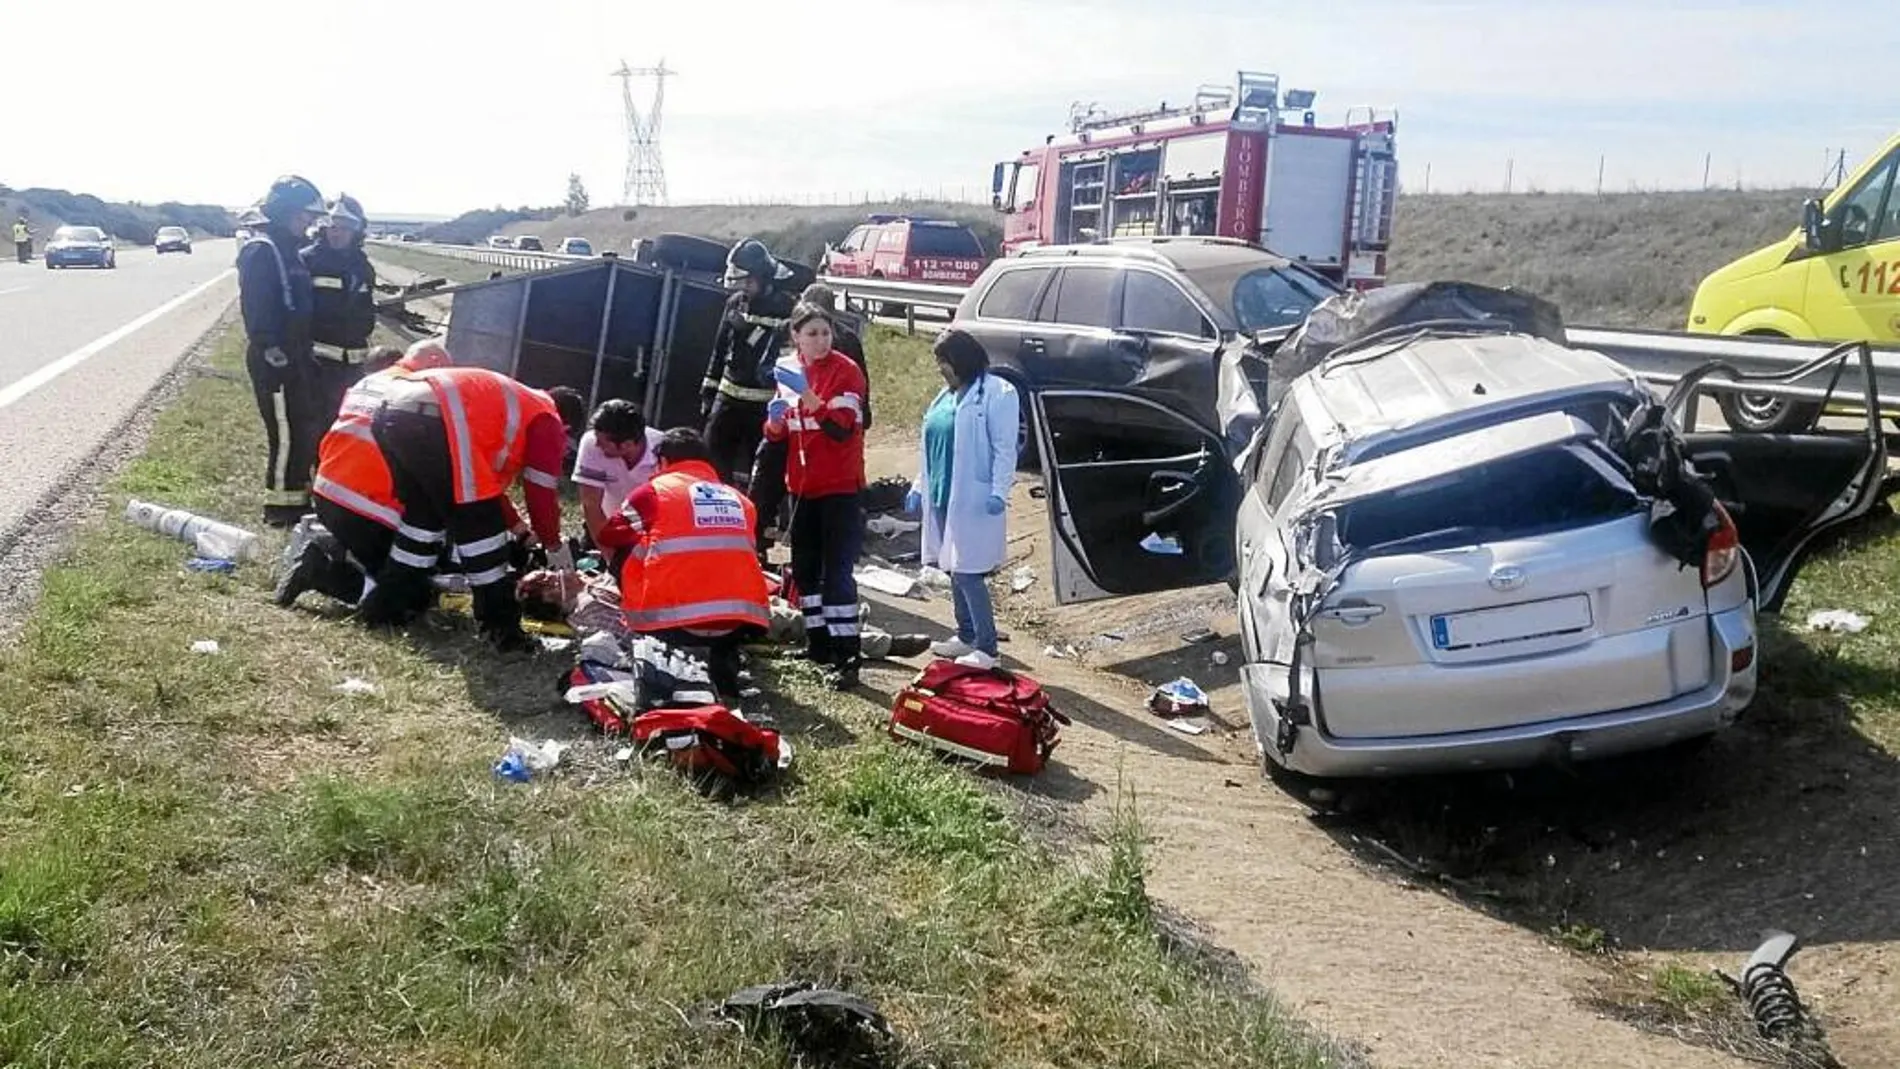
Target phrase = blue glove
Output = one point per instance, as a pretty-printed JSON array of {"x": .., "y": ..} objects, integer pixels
[
  {"x": 913, "y": 503},
  {"x": 790, "y": 377},
  {"x": 994, "y": 506},
  {"x": 776, "y": 408}
]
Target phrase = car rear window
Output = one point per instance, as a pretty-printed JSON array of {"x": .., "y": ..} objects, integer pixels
[
  {"x": 1012, "y": 295},
  {"x": 1551, "y": 490},
  {"x": 945, "y": 241}
]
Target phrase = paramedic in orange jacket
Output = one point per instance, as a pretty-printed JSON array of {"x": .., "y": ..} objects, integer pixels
[
  {"x": 455, "y": 439},
  {"x": 353, "y": 496},
  {"x": 692, "y": 574}
]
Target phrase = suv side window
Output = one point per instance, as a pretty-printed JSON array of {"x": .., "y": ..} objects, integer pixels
[
  {"x": 1288, "y": 451},
  {"x": 1085, "y": 297},
  {"x": 1150, "y": 302},
  {"x": 1864, "y": 215},
  {"x": 1013, "y": 295}
]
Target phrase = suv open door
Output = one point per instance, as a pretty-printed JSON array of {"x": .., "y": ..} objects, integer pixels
[
  {"x": 1785, "y": 491},
  {"x": 1141, "y": 497}
]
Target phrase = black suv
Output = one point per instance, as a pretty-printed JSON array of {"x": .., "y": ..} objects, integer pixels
[{"x": 1151, "y": 314}]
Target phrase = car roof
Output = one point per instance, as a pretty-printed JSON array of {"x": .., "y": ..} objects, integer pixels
[
  {"x": 1444, "y": 381},
  {"x": 1185, "y": 253}
]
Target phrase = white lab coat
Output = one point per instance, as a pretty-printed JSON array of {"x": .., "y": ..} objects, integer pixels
[{"x": 983, "y": 464}]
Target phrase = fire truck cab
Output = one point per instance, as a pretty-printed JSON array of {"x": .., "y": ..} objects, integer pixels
[{"x": 1231, "y": 164}]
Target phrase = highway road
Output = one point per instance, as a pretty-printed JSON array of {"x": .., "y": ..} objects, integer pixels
[{"x": 81, "y": 348}]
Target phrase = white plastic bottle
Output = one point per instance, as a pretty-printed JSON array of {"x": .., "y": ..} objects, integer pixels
[{"x": 208, "y": 536}]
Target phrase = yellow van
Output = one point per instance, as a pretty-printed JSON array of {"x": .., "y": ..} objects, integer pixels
[{"x": 1837, "y": 278}]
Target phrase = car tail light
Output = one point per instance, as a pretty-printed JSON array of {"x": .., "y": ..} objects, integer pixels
[
  {"x": 1741, "y": 659},
  {"x": 1724, "y": 551}
]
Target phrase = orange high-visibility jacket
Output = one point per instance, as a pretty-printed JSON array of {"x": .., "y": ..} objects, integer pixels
[
  {"x": 351, "y": 471},
  {"x": 486, "y": 415},
  {"x": 696, "y": 562}
]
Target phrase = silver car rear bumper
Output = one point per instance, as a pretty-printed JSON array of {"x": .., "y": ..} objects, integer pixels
[{"x": 1700, "y": 712}]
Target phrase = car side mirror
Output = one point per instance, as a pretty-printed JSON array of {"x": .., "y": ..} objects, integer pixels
[{"x": 1814, "y": 227}]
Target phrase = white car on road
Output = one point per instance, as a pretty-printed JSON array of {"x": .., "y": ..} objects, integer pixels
[{"x": 1458, "y": 547}]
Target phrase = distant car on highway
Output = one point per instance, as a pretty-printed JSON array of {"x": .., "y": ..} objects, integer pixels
[
  {"x": 529, "y": 243},
  {"x": 172, "y": 239},
  {"x": 910, "y": 248},
  {"x": 501, "y": 241},
  {"x": 84, "y": 245},
  {"x": 576, "y": 247},
  {"x": 409, "y": 238}
]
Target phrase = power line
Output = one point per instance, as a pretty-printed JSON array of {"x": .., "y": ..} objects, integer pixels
[{"x": 645, "y": 179}]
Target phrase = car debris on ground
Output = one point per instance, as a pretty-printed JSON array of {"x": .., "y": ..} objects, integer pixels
[{"x": 1837, "y": 620}]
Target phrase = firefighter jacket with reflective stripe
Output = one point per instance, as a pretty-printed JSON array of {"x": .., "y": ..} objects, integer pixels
[
  {"x": 692, "y": 559},
  {"x": 274, "y": 291},
  {"x": 343, "y": 308},
  {"x": 351, "y": 471},
  {"x": 749, "y": 336},
  {"x": 487, "y": 416}
]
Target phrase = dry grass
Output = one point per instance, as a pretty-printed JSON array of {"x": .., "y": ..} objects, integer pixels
[
  {"x": 218, "y": 860},
  {"x": 1627, "y": 259}
]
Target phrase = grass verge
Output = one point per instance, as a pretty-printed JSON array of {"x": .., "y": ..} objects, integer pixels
[
  {"x": 455, "y": 270},
  {"x": 215, "y": 860}
]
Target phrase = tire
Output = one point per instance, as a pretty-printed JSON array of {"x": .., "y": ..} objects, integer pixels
[{"x": 1755, "y": 413}]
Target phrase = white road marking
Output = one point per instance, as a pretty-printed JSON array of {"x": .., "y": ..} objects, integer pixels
[
  {"x": 19, "y": 390},
  {"x": 16, "y": 289}
]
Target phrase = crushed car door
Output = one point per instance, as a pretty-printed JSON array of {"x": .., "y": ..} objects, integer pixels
[
  {"x": 1784, "y": 491},
  {"x": 1141, "y": 498}
]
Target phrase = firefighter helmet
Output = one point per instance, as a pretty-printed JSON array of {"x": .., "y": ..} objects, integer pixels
[
  {"x": 347, "y": 213},
  {"x": 290, "y": 195},
  {"x": 751, "y": 259}
]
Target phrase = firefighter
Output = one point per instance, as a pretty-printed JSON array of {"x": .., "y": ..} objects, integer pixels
[
  {"x": 22, "y": 239},
  {"x": 767, "y": 485},
  {"x": 732, "y": 399},
  {"x": 274, "y": 293},
  {"x": 355, "y": 497},
  {"x": 455, "y": 440},
  {"x": 690, "y": 577},
  {"x": 343, "y": 314}
]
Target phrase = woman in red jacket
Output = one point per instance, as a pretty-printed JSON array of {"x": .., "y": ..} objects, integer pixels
[{"x": 819, "y": 412}]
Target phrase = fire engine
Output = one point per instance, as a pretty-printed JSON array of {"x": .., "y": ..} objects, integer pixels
[{"x": 1245, "y": 162}]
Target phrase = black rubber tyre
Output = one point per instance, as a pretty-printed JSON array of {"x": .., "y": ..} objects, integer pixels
[{"x": 1763, "y": 414}]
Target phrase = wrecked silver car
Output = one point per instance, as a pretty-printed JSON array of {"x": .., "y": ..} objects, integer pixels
[{"x": 1457, "y": 543}]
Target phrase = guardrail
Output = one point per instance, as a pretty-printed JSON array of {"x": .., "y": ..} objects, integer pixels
[
  {"x": 515, "y": 258},
  {"x": 1659, "y": 356}
]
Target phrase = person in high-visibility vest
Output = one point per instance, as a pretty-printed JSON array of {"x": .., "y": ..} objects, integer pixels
[
  {"x": 691, "y": 576},
  {"x": 456, "y": 439},
  {"x": 22, "y": 239},
  {"x": 353, "y": 494}
]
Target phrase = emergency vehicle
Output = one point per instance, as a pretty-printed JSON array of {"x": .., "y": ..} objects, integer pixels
[{"x": 1244, "y": 162}]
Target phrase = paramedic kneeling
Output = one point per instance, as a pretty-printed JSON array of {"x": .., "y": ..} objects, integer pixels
[{"x": 691, "y": 576}]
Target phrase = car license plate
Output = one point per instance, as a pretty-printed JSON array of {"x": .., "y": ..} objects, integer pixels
[{"x": 1511, "y": 623}]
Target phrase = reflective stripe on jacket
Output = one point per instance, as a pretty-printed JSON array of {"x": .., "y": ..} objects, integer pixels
[
  {"x": 351, "y": 471},
  {"x": 486, "y": 415},
  {"x": 696, "y": 563}
]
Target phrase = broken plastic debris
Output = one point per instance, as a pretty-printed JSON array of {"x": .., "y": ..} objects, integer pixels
[
  {"x": 205, "y": 645},
  {"x": 886, "y": 581},
  {"x": 355, "y": 686},
  {"x": 1022, "y": 579},
  {"x": 934, "y": 577},
  {"x": 1164, "y": 544},
  {"x": 525, "y": 758},
  {"x": 624, "y": 754},
  {"x": 556, "y": 645},
  {"x": 1837, "y": 620},
  {"x": 212, "y": 565},
  {"x": 1195, "y": 726},
  {"x": 1220, "y": 657},
  {"x": 890, "y": 526}
]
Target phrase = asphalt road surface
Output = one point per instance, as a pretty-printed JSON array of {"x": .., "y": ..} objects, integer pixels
[{"x": 80, "y": 348}]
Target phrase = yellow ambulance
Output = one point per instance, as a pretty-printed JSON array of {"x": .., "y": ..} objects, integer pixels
[{"x": 1836, "y": 278}]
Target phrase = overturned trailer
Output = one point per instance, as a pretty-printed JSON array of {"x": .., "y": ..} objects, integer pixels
[{"x": 609, "y": 328}]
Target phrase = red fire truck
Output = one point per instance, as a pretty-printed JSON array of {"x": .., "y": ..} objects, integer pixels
[{"x": 1247, "y": 162}]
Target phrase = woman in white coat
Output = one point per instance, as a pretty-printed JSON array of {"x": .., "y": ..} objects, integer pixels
[{"x": 966, "y": 466}]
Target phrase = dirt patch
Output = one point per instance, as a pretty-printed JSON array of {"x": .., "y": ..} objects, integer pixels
[{"x": 1430, "y": 917}]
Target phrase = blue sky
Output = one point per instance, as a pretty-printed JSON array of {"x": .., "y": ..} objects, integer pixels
[{"x": 497, "y": 102}]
